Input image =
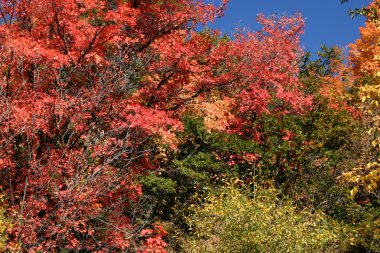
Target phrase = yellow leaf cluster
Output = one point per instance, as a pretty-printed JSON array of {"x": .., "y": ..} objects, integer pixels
[
  {"x": 365, "y": 60},
  {"x": 241, "y": 221},
  {"x": 5, "y": 224}
]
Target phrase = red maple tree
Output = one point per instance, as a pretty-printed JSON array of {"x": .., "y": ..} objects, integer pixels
[{"x": 88, "y": 88}]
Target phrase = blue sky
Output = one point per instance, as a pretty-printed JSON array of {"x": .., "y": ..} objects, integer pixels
[{"x": 327, "y": 21}]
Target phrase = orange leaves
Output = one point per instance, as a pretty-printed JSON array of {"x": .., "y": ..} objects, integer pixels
[
  {"x": 215, "y": 111},
  {"x": 365, "y": 59},
  {"x": 365, "y": 53}
]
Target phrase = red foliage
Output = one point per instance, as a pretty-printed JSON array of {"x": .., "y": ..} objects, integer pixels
[
  {"x": 154, "y": 243},
  {"x": 87, "y": 88},
  {"x": 268, "y": 73},
  {"x": 75, "y": 130}
]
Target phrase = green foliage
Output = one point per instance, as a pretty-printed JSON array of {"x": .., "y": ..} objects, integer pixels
[
  {"x": 198, "y": 168},
  {"x": 302, "y": 154},
  {"x": 324, "y": 143},
  {"x": 368, "y": 230},
  {"x": 158, "y": 185},
  {"x": 324, "y": 65},
  {"x": 371, "y": 13},
  {"x": 197, "y": 138},
  {"x": 235, "y": 221}
]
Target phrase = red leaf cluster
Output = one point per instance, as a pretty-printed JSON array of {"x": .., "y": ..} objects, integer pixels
[{"x": 88, "y": 88}]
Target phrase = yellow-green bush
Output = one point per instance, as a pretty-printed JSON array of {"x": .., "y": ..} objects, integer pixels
[
  {"x": 4, "y": 225},
  {"x": 236, "y": 222}
]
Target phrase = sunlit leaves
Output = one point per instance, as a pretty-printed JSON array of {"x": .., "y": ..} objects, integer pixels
[
  {"x": 364, "y": 56},
  {"x": 235, "y": 220}
]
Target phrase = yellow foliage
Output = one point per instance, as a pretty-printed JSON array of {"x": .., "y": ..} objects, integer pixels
[
  {"x": 365, "y": 59},
  {"x": 5, "y": 224},
  {"x": 237, "y": 221}
]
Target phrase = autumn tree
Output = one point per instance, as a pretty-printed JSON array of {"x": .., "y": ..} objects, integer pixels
[
  {"x": 364, "y": 57},
  {"x": 364, "y": 178},
  {"x": 92, "y": 91},
  {"x": 76, "y": 126}
]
